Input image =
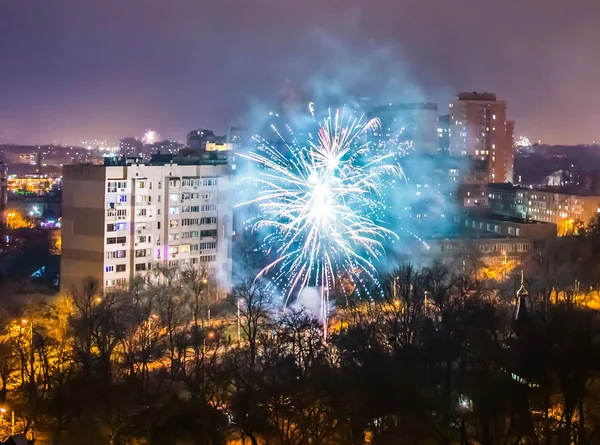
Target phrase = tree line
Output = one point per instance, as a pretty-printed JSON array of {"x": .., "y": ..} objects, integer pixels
[{"x": 435, "y": 356}]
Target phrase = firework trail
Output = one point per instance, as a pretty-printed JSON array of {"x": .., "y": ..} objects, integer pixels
[{"x": 322, "y": 203}]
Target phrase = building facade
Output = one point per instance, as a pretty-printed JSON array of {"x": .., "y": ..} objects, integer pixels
[
  {"x": 554, "y": 205},
  {"x": 124, "y": 220},
  {"x": 479, "y": 129}
]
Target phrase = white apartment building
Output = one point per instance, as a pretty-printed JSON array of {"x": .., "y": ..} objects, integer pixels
[{"x": 123, "y": 220}]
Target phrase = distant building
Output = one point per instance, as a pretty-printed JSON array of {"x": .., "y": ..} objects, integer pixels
[
  {"x": 131, "y": 147},
  {"x": 197, "y": 140},
  {"x": 473, "y": 183},
  {"x": 165, "y": 147},
  {"x": 479, "y": 129},
  {"x": 443, "y": 132},
  {"x": 238, "y": 138},
  {"x": 410, "y": 125},
  {"x": 562, "y": 206},
  {"x": 124, "y": 219}
]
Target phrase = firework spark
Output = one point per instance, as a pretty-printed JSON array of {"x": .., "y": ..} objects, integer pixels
[
  {"x": 321, "y": 204},
  {"x": 150, "y": 137}
]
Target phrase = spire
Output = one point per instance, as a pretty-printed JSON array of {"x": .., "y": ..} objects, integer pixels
[{"x": 522, "y": 295}]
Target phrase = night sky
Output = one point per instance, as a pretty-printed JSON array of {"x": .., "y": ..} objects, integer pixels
[{"x": 81, "y": 69}]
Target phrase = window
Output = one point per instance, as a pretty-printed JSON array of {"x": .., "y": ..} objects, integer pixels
[
  {"x": 111, "y": 187},
  {"x": 143, "y": 226},
  {"x": 121, "y": 267},
  {"x": 174, "y": 197},
  {"x": 141, "y": 184},
  {"x": 121, "y": 240},
  {"x": 140, "y": 267},
  {"x": 189, "y": 222},
  {"x": 174, "y": 210},
  {"x": 173, "y": 182},
  {"x": 140, "y": 199},
  {"x": 110, "y": 269},
  {"x": 173, "y": 236},
  {"x": 173, "y": 250},
  {"x": 208, "y": 258},
  {"x": 208, "y": 207},
  {"x": 116, "y": 254},
  {"x": 190, "y": 182},
  {"x": 187, "y": 195},
  {"x": 112, "y": 240},
  {"x": 208, "y": 220},
  {"x": 121, "y": 226},
  {"x": 173, "y": 223},
  {"x": 122, "y": 198},
  {"x": 188, "y": 235},
  {"x": 140, "y": 212},
  {"x": 207, "y": 195},
  {"x": 143, "y": 239},
  {"x": 141, "y": 253},
  {"x": 208, "y": 245},
  {"x": 209, "y": 182},
  {"x": 185, "y": 248},
  {"x": 111, "y": 228},
  {"x": 205, "y": 233},
  {"x": 174, "y": 263}
]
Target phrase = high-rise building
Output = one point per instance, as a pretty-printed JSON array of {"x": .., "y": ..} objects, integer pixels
[
  {"x": 410, "y": 125},
  {"x": 479, "y": 130},
  {"x": 126, "y": 218},
  {"x": 443, "y": 131}
]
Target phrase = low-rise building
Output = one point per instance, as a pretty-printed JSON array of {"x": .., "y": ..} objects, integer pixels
[{"x": 559, "y": 205}]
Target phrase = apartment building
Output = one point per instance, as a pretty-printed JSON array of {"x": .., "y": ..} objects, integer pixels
[
  {"x": 559, "y": 205},
  {"x": 479, "y": 129},
  {"x": 124, "y": 218}
]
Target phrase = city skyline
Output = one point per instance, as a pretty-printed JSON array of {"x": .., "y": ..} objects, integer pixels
[{"x": 113, "y": 69}]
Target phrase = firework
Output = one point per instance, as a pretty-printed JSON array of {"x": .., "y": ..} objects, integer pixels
[
  {"x": 150, "y": 137},
  {"x": 321, "y": 204}
]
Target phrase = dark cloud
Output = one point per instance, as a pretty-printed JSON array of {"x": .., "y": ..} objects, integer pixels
[{"x": 74, "y": 69}]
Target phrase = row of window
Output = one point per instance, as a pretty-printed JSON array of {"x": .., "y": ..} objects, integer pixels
[
  {"x": 116, "y": 240},
  {"x": 120, "y": 213},
  {"x": 189, "y": 209},
  {"x": 116, "y": 268},
  {"x": 116, "y": 254},
  {"x": 519, "y": 247},
  {"x": 192, "y": 182},
  {"x": 117, "y": 282},
  {"x": 112, "y": 199},
  {"x": 116, "y": 227},
  {"x": 116, "y": 186},
  {"x": 184, "y": 248}
]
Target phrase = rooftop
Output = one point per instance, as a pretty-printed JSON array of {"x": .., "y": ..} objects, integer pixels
[
  {"x": 406, "y": 107},
  {"x": 572, "y": 190},
  {"x": 206, "y": 158},
  {"x": 485, "y": 96}
]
